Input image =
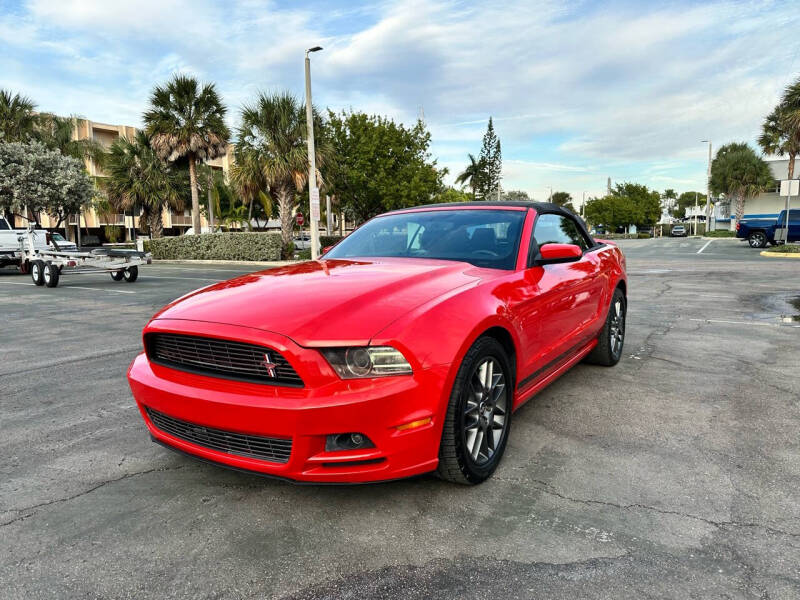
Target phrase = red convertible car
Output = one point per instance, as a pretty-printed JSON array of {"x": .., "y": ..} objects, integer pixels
[{"x": 404, "y": 350}]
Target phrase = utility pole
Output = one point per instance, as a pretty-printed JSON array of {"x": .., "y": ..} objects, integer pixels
[
  {"x": 708, "y": 186},
  {"x": 313, "y": 191},
  {"x": 695, "y": 213},
  {"x": 583, "y": 205}
]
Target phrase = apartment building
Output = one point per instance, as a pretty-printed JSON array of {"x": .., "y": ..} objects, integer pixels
[{"x": 93, "y": 223}]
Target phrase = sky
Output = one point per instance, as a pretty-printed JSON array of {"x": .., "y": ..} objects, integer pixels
[{"x": 579, "y": 91}]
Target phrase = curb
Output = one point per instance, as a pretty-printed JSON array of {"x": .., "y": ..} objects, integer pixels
[
  {"x": 256, "y": 263},
  {"x": 780, "y": 254}
]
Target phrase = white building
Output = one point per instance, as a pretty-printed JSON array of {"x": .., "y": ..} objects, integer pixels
[{"x": 764, "y": 206}]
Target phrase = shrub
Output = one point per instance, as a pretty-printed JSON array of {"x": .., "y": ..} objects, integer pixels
[
  {"x": 721, "y": 233},
  {"x": 786, "y": 249},
  {"x": 217, "y": 246},
  {"x": 328, "y": 240}
]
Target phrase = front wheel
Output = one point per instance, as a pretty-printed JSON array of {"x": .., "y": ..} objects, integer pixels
[
  {"x": 37, "y": 272},
  {"x": 478, "y": 418},
  {"x": 757, "y": 239},
  {"x": 608, "y": 350}
]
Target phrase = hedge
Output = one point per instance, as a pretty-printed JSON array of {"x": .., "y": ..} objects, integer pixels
[
  {"x": 328, "y": 240},
  {"x": 217, "y": 246}
]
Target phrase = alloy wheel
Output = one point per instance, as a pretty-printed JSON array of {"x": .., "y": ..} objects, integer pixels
[
  {"x": 485, "y": 412},
  {"x": 616, "y": 330},
  {"x": 757, "y": 240}
]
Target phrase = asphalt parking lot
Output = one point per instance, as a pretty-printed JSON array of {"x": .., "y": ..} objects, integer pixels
[{"x": 675, "y": 474}]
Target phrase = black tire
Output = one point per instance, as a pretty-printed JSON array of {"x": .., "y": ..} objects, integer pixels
[
  {"x": 456, "y": 462},
  {"x": 117, "y": 275},
  {"x": 37, "y": 272},
  {"x": 757, "y": 239},
  {"x": 608, "y": 352},
  {"x": 131, "y": 274},
  {"x": 50, "y": 275}
]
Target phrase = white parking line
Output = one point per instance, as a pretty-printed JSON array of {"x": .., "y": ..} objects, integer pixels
[
  {"x": 175, "y": 277},
  {"x": 743, "y": 323},
  {"x": 704, "y": 247},
  {"x": 76, "y": 287}
]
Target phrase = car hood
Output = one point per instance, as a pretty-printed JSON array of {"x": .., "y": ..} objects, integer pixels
[{"x": 327, "y": 302}]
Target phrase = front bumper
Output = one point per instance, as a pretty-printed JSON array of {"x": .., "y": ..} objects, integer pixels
[{"x": 306, "y": 416}]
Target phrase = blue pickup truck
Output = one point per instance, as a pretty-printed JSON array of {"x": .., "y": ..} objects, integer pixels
[{"x": 760, "y": 232}]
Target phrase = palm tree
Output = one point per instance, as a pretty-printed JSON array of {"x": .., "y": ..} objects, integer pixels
[
  {"x": 247, "y": 176},
  {"x": 17, "y": 117},
  {"x": 781, "y": 129},
  {"x": 186, "y": 120},
  {"x": 471, "y": 176},
  {"x": 136, "y": 176},
  {"x": 739, "y": 173},
  {"x": 57, "y": 133},
  {"x": 274, "y": 130}
]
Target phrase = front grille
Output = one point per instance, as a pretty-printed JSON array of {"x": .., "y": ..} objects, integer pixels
[
  {"x": 221, "y": 358},
  {"x": 252, "y": 446}
]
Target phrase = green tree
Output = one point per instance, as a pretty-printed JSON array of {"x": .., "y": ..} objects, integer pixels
[
  {"x": 187, "y": 120},
  {"x": 451, "y": 194},
  {"x": 471, "y": 175},
  {"x": 780, "y": 132},
  {"x": 627, "y": 204},
  {"x": 35, "y": 179},
  {"x": 610, "y": 211},
  {"x": 516, "y": 196},
  {"x": 273, "y": 133},
  {"x": 58, "y": 133},
  {"x": 739, "y": 173},
  {"x": 380, "y": 165},
  {"x": 136, "y": 177},
  {"x": 17, "y": 117},
  {"x": 563, "y": 199},
  {"x": 492, "y": 161},
  {"x": 686, "y": 200}
]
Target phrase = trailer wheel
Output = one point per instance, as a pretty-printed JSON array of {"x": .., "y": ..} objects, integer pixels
[
  {"x": 131, "y": 274},
  {"x": 117, "y": 275},
  {"x": 37, "y": 272},
  {"x": 51, "y": 274}
]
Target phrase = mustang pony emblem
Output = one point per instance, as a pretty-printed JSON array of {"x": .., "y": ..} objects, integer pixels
[{"x": 269, "y": 365}]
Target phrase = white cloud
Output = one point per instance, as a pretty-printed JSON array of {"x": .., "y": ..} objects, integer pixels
[{"x": 578, "y": 92}]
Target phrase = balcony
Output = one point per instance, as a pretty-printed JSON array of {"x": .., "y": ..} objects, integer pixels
[{"x": 181, "y": 220}]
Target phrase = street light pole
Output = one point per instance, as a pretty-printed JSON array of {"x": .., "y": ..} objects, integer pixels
[
  {"x": 708, "y": 186},
  {"x": 583, "y": 205},
  {"x": 695, "y": 213},
  {"x": 313, "y": 191}
]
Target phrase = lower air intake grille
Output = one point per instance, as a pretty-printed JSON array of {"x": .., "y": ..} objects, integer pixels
[
  {"x": 221, "y": 358},
  {"x": 252, "y": 446}
]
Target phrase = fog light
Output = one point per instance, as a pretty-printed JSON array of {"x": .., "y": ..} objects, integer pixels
[{"x": 347, "y": 441}]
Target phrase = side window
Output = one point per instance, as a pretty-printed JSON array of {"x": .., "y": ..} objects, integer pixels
[{"x": 557, "y": 229}]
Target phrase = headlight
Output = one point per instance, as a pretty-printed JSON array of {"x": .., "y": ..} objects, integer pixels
[{"x": 366, "y": 361}]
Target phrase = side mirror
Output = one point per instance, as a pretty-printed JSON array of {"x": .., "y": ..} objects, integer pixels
[
  {"x": 552, "y": 254},
  {"x": 326, "y": 249}
]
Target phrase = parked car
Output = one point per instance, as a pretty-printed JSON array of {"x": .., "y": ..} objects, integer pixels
[
  {"x": 760, "y": 232},
  {"x": 405, "y": 349},
  {"x": 678, "y": 231},
  {"x": 302, "y": 242},
  {"x": 56, "y": 239},
  {"x": 9, "y": 242}
]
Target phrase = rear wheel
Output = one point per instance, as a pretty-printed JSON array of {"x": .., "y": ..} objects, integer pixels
[
  {"x": 478, "y": 418},
  {"x": 757, "y": 239},
  {"x": 51, "y": 274},
  {"x": 117, "y": 275},
  {"x": 37, "y": 272},
  {"x": 612, "y": 337},
  {"x": 131, "y": 274}
]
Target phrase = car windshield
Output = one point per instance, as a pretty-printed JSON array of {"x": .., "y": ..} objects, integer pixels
[{"x": 482, "y": 237}]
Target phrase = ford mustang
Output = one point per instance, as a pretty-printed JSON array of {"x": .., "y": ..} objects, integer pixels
[{"x": 405, "y": 349}]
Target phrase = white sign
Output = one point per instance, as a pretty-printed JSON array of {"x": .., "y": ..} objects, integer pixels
[
  {"x": 790, "y": 187},
  {"x": 314, "y": 197}
]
